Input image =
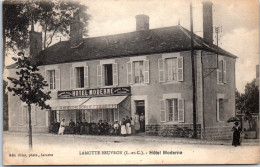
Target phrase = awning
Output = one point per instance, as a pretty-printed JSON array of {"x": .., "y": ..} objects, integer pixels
[
  {"x": 103, "y": 102},
  {"x": 66, "y": 104}
]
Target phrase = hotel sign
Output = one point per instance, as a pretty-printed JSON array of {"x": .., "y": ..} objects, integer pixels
[{"x": 94, "y": 92}]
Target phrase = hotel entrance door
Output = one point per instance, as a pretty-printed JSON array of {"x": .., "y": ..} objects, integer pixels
[{"x": 140, "y": 110}]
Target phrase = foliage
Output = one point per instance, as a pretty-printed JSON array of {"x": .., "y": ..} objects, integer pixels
[
  {"x": 248, "y": 102},
  {"x": 30, "y": 84},
  {"x": 53, "y": 16}
]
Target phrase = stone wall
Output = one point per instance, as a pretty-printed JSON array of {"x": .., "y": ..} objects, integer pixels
[
  {"x": 218, "y": 133},
  {"x": 176, "y": 130}
]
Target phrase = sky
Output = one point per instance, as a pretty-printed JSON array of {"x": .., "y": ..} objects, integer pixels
[{"x": 239, "y": 20}]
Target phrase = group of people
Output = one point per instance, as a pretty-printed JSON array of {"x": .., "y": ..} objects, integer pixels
[{"x": 125, "y": 127}]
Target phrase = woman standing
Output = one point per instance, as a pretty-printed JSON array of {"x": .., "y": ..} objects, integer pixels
[
  {"x": 128, "y": 125},
  {"x": 142, "y": 122},
  {"x": 137, "y": 122},
  {"x": 236, "y": 134},
  {"x": 62, "y": 127},
  {"x": 123, "y": 129}
]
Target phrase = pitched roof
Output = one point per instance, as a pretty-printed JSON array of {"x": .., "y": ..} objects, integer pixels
[{"x": 160, "y": 40}]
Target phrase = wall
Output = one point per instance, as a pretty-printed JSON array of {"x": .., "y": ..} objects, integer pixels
[{"x": 218, "y": 129}]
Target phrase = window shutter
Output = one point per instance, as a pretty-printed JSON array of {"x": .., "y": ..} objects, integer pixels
[
  {"x": 47, "y": 79},
  {"x": 146, "y": 71},
  {"x": 72, "y": 81},
  {"x": 129, "y": 72},
  {"x": 217, "y": 110},
  {"x": 99, "y": 75},
  {"x": 57, "y": 79},
  {"x": 115, "y": 74},
  {"x": 33, "y": 115},
  {"x": 181, "y": 109},
  {"x": 219, "y": 72},
  {"x": 162, "y": 110},
  {"x": 224, "y": 72},
  {"x": 161, "y": 70},
  {"x": 86, "y": 79},
  {"x": 180, "y": 68}
]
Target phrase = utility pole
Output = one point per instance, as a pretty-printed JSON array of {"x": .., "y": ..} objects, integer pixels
[{"x": 193, "y": 77}]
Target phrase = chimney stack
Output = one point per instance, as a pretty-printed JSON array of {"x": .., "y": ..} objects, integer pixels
[
  {"x": 142, "y": 22},
  {"x": 75, "y": 29},
  {"x": 207, "y": 22},
  {"x": 35, "y": 43}
]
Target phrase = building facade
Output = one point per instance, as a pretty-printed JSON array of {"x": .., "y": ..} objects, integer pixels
[{"x": 146, "y": 72}]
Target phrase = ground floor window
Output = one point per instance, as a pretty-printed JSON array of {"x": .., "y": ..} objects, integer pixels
[
  {"x": 220, "y": 109},
  {"x": 172, "y": 109}
]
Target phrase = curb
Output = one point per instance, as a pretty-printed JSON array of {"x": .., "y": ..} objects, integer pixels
[{"x": 141, "y": 139}]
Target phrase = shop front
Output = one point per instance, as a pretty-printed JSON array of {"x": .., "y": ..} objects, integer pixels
[{"x": 91, "y": 105}]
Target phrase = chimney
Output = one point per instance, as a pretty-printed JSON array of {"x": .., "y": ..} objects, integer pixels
[
  {"x": 142, "y": 22},
  {"x": 75, "y": 30},
  {"x": 35, "y": 43},
  {"x": 207, "y": 22}
]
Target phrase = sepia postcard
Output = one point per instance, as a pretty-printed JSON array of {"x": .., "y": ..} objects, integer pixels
[{"x": 140, "y": 82}]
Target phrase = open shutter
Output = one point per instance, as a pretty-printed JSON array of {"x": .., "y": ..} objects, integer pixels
[
  {"x": 224, "y": 72},
  {"x": 86, "y": 79},
  {"x": 72, "y": 81},
  {"x": 99, "y": 75},
  {"x": 33, "y": 115},
  {"x": 129, "y": 72},
  {"x": 161, "y": 70},
  {"x": 181, "y": 110},
  {"x": 146, "y": 71},
  {"x": 219, "y": 72},
  {"x": 115, "y": 74},
  {"x": 162, "y": 111},
  {"x": 180, "y": 68},
  {"x": 47, "y": 79},
  {"x": 57, "y": 79},
  {"x": 217, "y": 114}
]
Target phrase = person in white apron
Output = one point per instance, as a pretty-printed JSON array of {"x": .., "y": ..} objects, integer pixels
[
  {"x": 123, "y": 129},
  {"x": 128, "y": 125},
  {"x": 62, "y": 127}
]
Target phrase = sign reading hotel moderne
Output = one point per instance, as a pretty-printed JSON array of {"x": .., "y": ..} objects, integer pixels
[{"x": 94, "y": 92}]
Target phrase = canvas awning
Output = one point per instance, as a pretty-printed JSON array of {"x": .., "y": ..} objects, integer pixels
[
  {"x": 66, "y": 104},
  {"x": 103, "y": 102}
]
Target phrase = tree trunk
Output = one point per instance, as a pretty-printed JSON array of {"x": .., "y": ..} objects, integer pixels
[
  {"x": 45, "y": 36},
  {"x": 30, "y": 127}
]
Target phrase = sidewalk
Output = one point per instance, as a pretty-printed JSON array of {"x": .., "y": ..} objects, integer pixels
[{"x": 142, "y": 138}]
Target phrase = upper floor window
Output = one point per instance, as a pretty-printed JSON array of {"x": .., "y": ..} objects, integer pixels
[
  {"x": 138, "y": 72},
  {"x": 221, "y": 71},
  {"x": 107, "y": 74},
  {"x": 170, "y": 68},
  {"x": 52, "y": 78},
  {"x": 79, "y": 77},
  {"x": 108, "y": 69}
]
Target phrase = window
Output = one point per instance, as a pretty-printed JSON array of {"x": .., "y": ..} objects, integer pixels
[
  {"x": 220, "y": 109},
  {"x": 79, "y": 77},
  {"x": 174, "y": 110},
  {"x": 221, "y": 72},
  {"x": 52, "y": 79},
  {"x": 108, "y": 74},
  {"x": 171, "y": 69},
  {"x": 138, "y": 72}
]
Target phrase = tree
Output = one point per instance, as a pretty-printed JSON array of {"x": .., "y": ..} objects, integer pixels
[
  {"x": 53, "y": 16},
  {"x": 248, "y": 102},
  {"x": 29, "y": 87}
]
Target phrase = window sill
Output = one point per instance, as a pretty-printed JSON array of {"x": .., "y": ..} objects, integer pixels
[
  {"x": 138, "y": 84},
  {"x": 171, "y": 82},
  {"x": 221, "y": 83}
]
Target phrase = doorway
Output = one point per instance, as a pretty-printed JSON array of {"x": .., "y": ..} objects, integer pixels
[{"x": 140, "y": 110}]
